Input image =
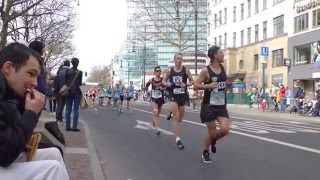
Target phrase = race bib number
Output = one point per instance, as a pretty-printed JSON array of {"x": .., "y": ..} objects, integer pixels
[
  {"x": 130, "y": 94},
  {"x": 156, "y": 94},
  {"x": 179, "y": 91},
  {"x": 117, "y": 95},
  {"x": 217, "y": 98}
]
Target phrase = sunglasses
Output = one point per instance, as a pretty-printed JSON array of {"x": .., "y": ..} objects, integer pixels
[{"x": 157, "y": 70}]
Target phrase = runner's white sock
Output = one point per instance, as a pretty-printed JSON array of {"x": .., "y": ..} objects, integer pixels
[{"x": 177, "y": 139}]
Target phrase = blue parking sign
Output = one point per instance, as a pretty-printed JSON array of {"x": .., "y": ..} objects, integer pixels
[{"x": 264, "y": 51}]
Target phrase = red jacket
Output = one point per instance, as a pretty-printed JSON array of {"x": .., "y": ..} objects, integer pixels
[{"x": 282, "y": 92}]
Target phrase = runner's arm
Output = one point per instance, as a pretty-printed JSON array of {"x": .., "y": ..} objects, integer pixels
[
  {"x": 148, "y": 84},
  {"x": 165, "y": 79},
  {"x": 191, "y": 81},
  {"x": 199, "y": 82}
]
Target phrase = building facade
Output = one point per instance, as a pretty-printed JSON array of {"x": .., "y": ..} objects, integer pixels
[
  {"x": 242, "y": 28},
  {"x": 304, "y": 45}
]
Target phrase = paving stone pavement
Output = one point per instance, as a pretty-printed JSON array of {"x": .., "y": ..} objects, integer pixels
[{"x": 77, "y": 155}]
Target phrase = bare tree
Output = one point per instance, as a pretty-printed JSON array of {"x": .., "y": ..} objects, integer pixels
[
  {"x": 52, "y": 22},
  {"x": 100, "y": 74},
  {"x": 166, "y": 21}
]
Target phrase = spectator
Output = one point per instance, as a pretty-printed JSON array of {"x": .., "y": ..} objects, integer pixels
[
  {"x": 73, "y": 80},
  {"x": 297, "y": 96},
  {"x": 20, "y": 105},
  {"x": 283, "y": 99},
  {"x": 59, "y": 81},
  {"x": 38, "y": 47}
]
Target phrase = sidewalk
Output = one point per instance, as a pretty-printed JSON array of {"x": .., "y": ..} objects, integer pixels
[
  {"x": 80, "y": 154},
  {"x": 238, "y": 110}
]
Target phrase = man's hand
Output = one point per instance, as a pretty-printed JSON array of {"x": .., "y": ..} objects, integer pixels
[
  {"x": 34, "y": 101},
  {"x": 213, "y": 85}
]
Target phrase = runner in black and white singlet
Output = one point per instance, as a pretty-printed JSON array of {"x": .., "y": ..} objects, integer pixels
[
  {"x": 157, "y": 99},
  {"x": 178, "y": 76},
  {"x": 213, "y": 80}
]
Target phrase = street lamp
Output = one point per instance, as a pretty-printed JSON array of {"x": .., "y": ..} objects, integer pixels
[
  {"x": 128, "y": 64},
  {"x": 195, "y": 7}
]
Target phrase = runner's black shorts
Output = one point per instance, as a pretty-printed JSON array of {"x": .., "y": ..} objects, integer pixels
[
  {"x": 181, "y": 100},
  {"x": 121, "y": 97},
  {"x": 159, "y": 101},
  {"x": 211, "y": 113}
]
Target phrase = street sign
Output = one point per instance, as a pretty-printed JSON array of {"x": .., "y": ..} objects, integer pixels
[{"x": 264, "y": 51}]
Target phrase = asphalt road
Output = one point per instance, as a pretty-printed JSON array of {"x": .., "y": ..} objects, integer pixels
[{"x": 256, "y": 149}]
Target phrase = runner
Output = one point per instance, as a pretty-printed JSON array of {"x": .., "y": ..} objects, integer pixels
[
  {"x": 93, "y": 93},
  {"x": 116, "y": 98},
  {"x": 178, "y": 76},
  {"x": 123, "y": 89},
  {"x": 157, "y": 99},
  {"x": 101, "y": 95},
  {"x": 129, "y": 92},
  {"x": 109, "y": 95},
  {"x": 213, "y": 80}
]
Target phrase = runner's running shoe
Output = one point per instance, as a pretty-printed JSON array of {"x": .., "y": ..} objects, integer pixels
[{"x": 206, "y": 157}]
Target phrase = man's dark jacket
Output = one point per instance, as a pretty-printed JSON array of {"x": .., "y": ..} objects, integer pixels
[
  {"x": 16, "y": 124},
  {"x": 60, "y": 79},
  {"x": 74, "y": 86}
]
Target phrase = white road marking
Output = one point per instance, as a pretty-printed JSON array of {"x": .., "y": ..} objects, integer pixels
[
  {"x": 252, "y": 136},
  {"x": 147, "y": 126}
]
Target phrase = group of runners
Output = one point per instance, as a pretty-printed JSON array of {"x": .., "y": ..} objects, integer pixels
[
  {"x": 115, "y": 95},
  {"x": 212, "y": 80}
]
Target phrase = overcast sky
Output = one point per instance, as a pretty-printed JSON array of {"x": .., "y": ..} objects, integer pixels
[{"x": 101, "y": 31}]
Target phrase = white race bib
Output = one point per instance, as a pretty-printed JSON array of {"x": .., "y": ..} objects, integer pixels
[
  {"x": 217, "y": 98},
  {"x": 179, "y": 91},
  {"x": 130, "y": 94},
  {"x": 117, "y": 95},
  {"x": 156, "y": 94}
]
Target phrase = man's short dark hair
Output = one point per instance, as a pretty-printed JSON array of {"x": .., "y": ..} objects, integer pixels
[
  {"x": 157, "y": 67},
  {"x": 75, "y": 62},
  {"x": 212, "y": 51},
  {"x": 37, "y": 46},
  {"x": 66, "y": 63},
  {"x": 18, "y": 54}
]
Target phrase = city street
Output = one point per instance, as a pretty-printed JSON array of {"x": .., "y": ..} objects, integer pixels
[{"x": 256, "y": 148}]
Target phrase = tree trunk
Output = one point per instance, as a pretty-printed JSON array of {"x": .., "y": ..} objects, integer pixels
[{"x": 4, "y": 34}]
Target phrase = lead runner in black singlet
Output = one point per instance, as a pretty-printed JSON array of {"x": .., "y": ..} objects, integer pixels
[
  {"x": 157, "y": 98},
  {"x": 213, "y": 80},
  {"x": 178, "y": 77}
]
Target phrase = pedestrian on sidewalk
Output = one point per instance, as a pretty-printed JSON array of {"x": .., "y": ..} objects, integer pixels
[
  {"x": 74, "y": 81},
  {"x": 59, "y": 81},
  {"x": 283, "y": 100},
  {"x": 51, "y": 96},
  {"x": 20, "y": 106},
  {"x": 297, "y": 96}
]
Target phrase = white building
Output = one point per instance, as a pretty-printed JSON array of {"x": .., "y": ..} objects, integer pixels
[{"x": 242, "y": 27}]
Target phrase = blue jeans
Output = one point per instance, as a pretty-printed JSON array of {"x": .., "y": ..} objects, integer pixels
[
  {"x": 75, "y": 101},
  {"x": 283, "y": 102}
]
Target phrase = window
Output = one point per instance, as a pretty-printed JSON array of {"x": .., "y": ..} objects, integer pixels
[
  {"x": 249, "y": 36},
  {"x": 278, "y": 25},
  {"x": 220, "y": 40},
  {"x": 241, "y": 64},
  {"x": 208, "y": 29},
  {"x": 277, "y": 1},
  {"x": 249, "y": 8},
  {"x": 301, "y": 22},
  {"x": 242, "y": 11},
  {"x": 215, "y": 20},
  {"x": 316, "y": 18},
  {"x": 256, "y": 62},
  {"x": 234, "y": 39},
  {"x": 225, "y": 40},
  {"x": 215, "y": 41},
  {"x": 257, "y": 6},
  {"x": 265, "y": 30},
  {"x": 242, "y": 37},
  {"x": 302, "y": 54},
  {"x": 277, "y": 58},
  {"x": 264, "y": 6},
  {"x": 220, "y": 18},
  {"x": 256, "y": 33},
  {"x": 234, "y": 13},
  {"x": 225, "y": 15}
]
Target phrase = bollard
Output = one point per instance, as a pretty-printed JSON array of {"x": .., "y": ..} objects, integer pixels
[{"x": 193, "y": 103}]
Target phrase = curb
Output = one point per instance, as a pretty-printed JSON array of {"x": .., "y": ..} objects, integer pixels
[{"x": 95, "y": 163}]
